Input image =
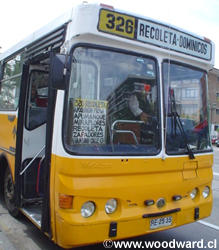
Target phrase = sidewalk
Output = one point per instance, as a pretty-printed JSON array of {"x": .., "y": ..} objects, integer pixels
[{"x": 5, "y": 244}]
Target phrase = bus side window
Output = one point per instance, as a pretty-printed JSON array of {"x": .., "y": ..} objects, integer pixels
[
  {"x": 10, "y": 83},
  {"x": 37, "y": 99}
]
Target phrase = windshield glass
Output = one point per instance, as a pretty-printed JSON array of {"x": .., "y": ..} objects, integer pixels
[
  {"x": 185, "y": 98},
  {"x": 112, "y": 104}
]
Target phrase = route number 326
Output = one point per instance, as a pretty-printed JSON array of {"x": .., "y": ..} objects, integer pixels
[
  {"x": 120, "y": 24},
  {"x": 117, "y": 23}
]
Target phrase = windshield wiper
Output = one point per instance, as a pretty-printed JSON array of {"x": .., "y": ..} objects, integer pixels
[{"x": 178, "y": 121}]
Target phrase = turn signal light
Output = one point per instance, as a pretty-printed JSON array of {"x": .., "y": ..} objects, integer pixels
[{"x": 65, "y": 201}]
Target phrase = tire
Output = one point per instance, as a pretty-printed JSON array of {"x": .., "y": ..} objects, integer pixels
[{"x": 9, "y": 194}]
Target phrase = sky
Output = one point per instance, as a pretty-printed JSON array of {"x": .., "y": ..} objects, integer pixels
[{"x": 18, "y": 19}]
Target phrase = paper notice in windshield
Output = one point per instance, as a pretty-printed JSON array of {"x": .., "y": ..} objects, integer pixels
[
  {"x": 88, "y": 121},
  {"x": 153, "y": 33}
]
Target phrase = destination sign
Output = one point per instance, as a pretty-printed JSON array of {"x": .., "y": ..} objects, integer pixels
[
  {"x": 153, "y": 33},
  {"x": 88, "y": 121}
]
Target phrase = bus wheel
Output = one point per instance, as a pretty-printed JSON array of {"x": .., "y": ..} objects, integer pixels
[{"x": 9, "y": 194}]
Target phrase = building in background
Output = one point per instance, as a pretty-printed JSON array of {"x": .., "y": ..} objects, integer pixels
[{"x": 213, "y": 90}]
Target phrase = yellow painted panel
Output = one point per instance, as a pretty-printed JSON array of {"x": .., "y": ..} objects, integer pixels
[
  {"x": 8, "y": 130},
  {"x": 130, "y": 181}
]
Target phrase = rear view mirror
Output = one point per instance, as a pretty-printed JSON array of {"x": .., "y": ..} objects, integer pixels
[{"x": 57, "y": 71}]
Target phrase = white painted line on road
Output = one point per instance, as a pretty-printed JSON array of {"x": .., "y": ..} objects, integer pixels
[
  {"x": 209, "y": 225},
  {"x": 216, "y": 174}
]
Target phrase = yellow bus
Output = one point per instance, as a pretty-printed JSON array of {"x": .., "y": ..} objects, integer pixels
[{"x": 104, "y": 130}]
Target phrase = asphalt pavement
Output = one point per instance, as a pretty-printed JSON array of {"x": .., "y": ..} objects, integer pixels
[
  {"x": 213, "y": 220},
  {"x": 5, "y": 244}
]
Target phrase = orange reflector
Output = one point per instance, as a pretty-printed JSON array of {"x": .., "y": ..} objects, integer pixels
[
  {"x": 65, "y": 201},
  {"x": 103, "y": 5},
  {"x": 207, "y": 39}
]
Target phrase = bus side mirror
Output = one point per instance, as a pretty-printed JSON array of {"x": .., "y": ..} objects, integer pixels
[{"x": 57, "y": 68}]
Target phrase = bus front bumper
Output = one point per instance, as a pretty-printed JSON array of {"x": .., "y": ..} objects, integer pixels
[{"x": 72, "y": 234}]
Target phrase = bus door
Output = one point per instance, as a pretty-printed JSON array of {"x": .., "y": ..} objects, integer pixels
[
  {"x": 34, "y": 137},
  {"x": 33, "y": 177},
  {"x": 34, "y": 134},
  {"x": 31, "y": 173}
]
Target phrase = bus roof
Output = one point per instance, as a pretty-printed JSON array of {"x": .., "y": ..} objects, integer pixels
[
  {"x": 65, "y": 18},
  {"x": 117, "y": 24}
]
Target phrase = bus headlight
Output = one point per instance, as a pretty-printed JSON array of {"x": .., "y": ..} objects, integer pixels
[
  {"x": 206, "y": 192},
  {"x": 88, "y": 209},
  {"x": 111, "y": 206},
  {"x": 194, "y": 193}
]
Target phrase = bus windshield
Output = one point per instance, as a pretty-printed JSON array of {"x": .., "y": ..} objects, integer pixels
[
  {"x": 112, "y": 104},
  {"x": 186, "y": 109}
]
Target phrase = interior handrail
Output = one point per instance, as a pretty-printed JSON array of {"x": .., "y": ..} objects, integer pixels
[{"x": 29, "y": 164}]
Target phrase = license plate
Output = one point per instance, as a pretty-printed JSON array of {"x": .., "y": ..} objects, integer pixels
[{"x": 161, "y": 222}]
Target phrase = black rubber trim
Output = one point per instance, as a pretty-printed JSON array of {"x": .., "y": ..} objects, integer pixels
[{"x": 161, "y": 213}]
